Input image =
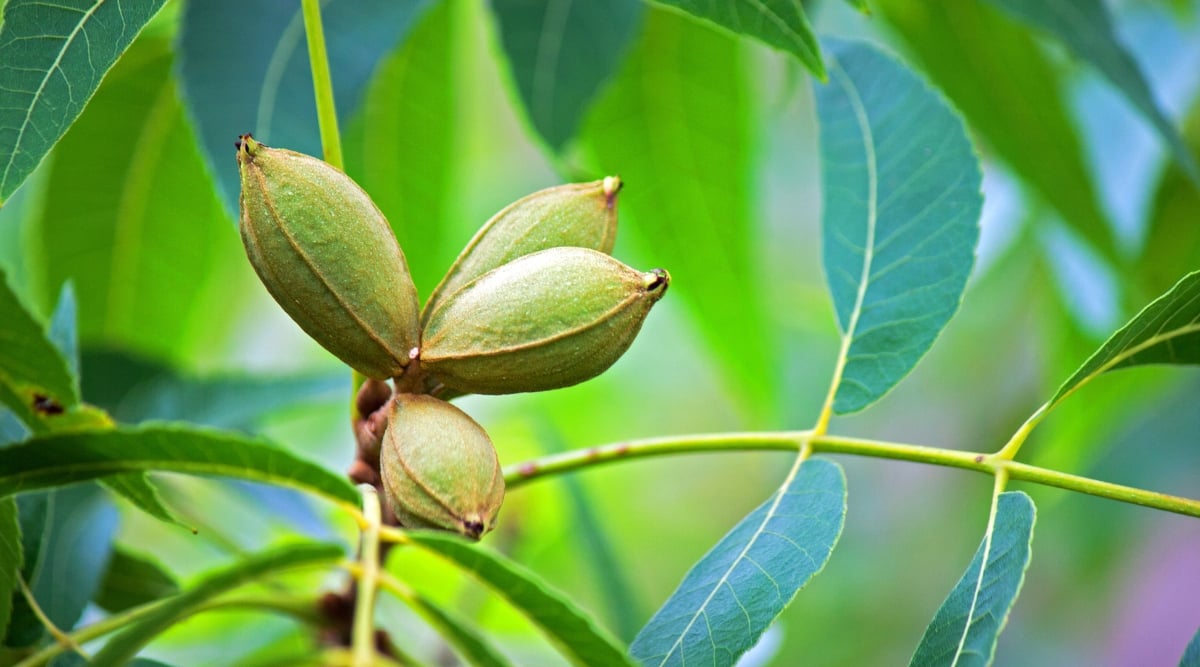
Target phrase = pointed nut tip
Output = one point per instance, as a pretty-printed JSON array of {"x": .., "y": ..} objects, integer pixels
[
  {"x": 657, "y": 280},
  {"x": 612, "y": 185}
]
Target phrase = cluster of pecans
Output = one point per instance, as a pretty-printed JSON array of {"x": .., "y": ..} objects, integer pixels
[{"x": 534, "y": 302}]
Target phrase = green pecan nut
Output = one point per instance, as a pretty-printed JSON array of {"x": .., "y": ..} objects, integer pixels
[
  {"x": 546, "y": 320},
  {"x": 583, "y": 215},
  {"x": 439, "y": 467},
  {"x": 328, "y": 256}
]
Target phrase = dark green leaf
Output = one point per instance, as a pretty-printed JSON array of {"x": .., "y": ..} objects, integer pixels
[
  {"x": 966, "y": 627},
  {"x": 901, "y": 216},
  {"x": 244, "y": 68},
  {"x": 1191, "y": 655},
  {"x": 991, "y": 69},
  {"x": 134, "y": 390},
  {"x": 561, "y": 53},
  {"x": 55, "y": 460},
  {"x": 139, "y": 490},
  {"x": 10, "y": 558},
  {"x": 30, "y": 365},
  {"x": 778, "y": 23},
  {"x": 676, "y": 126},
  {"x": 125, "y": 645},
  {"x": 1166, "y": 332},
  {"x": 54, "y": 56},
  {"x": 573, "y": 632},
  {"x": 76, "y": 660},
  {"x": 731, "y": 596},
  {"x": 132, "y": 580},
  {"x": 471, "y": 645},
  {"x": 143, "y": 238},
  {"x": 1086, "y": 29},
  {"x": 68, "y": 540}
]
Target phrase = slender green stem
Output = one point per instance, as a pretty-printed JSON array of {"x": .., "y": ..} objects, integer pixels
[
  {"x": 991, "y": 464},
  {"x": 331, "y": 140},
  {"x": 364, "y": 601},
  {"x": 63, "y": 639},
  {"x": 1010, "y": 448}
]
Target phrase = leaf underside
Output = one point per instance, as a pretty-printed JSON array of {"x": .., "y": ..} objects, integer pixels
[{"x": 902, "y": 199}]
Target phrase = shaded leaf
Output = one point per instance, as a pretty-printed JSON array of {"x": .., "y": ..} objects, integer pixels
[
  {"x": 901, "y": 216},
  {"x": 64, "y": 333},
  {"x": 778, "y": 23},
  {"x": 68, "y": 538},
  {"x": 1085, "y": 28},
  {"x": 10, "y": 558},
  {"x": 54, "y": 56},
  {"x": 55, "y": 460},
  {"x": 561, "y": 53},
  {"x": 144, "y": 240},
  {"x": 1166, "y": 332},
  {"x": 734, "y": 592},
  {"x": 30, "y": 365},
  {"x": 965, "y": 629},
  {"x": 125, "y": 645},
  {"x": 960, "y": 45},
  {"x": 131, "y": 580},
  {"x": 1191, "y": 655},
  {"x": 244, "y": 68},
  {"x": 676, "y": 126},
  {"x": 574, "y": 633},
  {"x": 139, "y": 490}
]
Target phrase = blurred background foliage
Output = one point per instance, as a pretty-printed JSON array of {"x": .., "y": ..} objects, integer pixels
[{"x": 448, "y": 115}]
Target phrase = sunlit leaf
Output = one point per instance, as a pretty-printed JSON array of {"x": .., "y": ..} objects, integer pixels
[
  {"x": 10, "y": 558},
  {"x": 561, "y": 53},
  {"x": 1191, "y": 655},
  {"x": 471, "y": 645},
  {"x": 125, "y": 645},
  {"x": 1166, "y": 332},
  {"x": 575, "y": 634},
  {"x": 132, "y": 580},
  {"x": 142, "y": 239},
  {"x": 244, "y": 68},
  {"x": 69, "y": 538},
  {"x": 30, "y": 365},
  {"x": 54, "y": 56},
  {"x": 995, "y": 74},
  {"x": 965, "y": 629},
  {"x": 676, "y": 126},
  {"x": 731, "y": 596},
  {"x": 406, "y": 146},
  {"x": 1084, "y": 27},
  {"x": 139, "y": 490},
  {"x": 55, "y": 460},
  {"x": 778, "y": 23},
  {"x": 901, "y": 216}
]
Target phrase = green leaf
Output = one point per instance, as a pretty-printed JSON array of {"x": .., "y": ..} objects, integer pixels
[
  {"x": 1166, "y": 332},
  {"x": 1085, "y": 28},
  {"x": 965, "y": 629},
  {"x": 143, "y": 240},
  {"x": 901, "y": 216},
  {"x": 405, "y": 148},
  {"x": 573, "y": 632},
  {"x": 676, "y": 125},
  {"x": 30, "y": 365},
  {"x": 125, "y": 645},
  {"x": 68, "y": 536},
  {"x": 132, "y": 580},
  {"x": 10, "y": 558},
  {"x": 561, "y": 53},
  {"x": 991, "y": 69},
  {"x": 471, "y": 645},
  {"x": 55, "y": 460},
  {"x": 1191, "y": 655},
  {"x": 245, "y": 68},
  {"x": 54, "y": 56},
  {"x": 778, "y": 23},
  {"x": 139, "y": 490},
  {"x": 731, "y": 596}
]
